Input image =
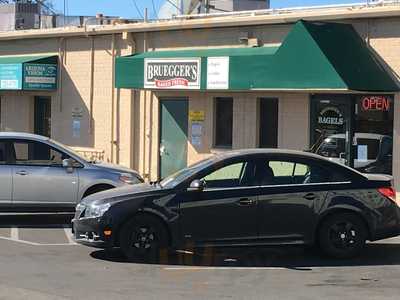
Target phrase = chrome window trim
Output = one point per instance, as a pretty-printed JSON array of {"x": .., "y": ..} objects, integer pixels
[{"x": 277, "y": 185}]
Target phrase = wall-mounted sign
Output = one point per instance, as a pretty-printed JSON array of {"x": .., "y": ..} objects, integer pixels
[
  {"x": 330, "y": 115},
  {"x": 197, "y": 133},
  {"x": 181, "y": 73},
  {"x": 375, "y": 103},
  {"x": 196, "y": 115},
  {"x": 76, "y": 128},
  {"x": 218, "y": 73},
  {"x": 10, "y": 76},
  {"x": 40, "y": 76},
  {"x": 77, "y": 112}
]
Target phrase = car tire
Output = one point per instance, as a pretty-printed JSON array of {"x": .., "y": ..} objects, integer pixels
[
  {"x": 144, "y": 239},
  {"x": 343, "y": 235}
]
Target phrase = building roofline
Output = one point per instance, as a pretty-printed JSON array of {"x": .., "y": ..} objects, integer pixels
[{"x": 287, "y": 16}]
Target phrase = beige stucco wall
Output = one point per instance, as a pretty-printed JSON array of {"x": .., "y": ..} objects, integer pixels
[{"x": 16, "y": 112}]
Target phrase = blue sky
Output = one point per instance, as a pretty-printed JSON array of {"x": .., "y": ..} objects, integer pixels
[{"x": 126, "y": 8}]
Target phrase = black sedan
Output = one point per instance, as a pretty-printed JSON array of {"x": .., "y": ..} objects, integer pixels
[{"x": 244, "y": 198}]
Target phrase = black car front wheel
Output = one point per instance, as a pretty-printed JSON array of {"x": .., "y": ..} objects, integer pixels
[
  {"x": 343, "y": 235},
  {"x": 144, "y": 239}
]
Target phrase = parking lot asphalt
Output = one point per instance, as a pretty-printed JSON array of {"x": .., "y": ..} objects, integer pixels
[{"x": 39, "y": 260}]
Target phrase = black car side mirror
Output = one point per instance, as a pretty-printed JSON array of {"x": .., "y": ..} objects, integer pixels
[{"x": 197, "y": 185}]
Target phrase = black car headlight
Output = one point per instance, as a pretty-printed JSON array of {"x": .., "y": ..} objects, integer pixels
[{"x": 96, "y": 211}]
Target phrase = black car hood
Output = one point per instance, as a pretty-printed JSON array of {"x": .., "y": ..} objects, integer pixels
[{"x": 118, "y": 194}]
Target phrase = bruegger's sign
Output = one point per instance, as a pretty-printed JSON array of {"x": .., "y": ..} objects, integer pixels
[{"x": 181, "y": 73}]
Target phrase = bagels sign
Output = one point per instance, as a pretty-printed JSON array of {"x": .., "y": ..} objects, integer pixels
[{"x": 172, "y": 73}]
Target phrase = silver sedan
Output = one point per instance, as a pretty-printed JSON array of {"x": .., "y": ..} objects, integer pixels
[{"x": 40, "y": 174}]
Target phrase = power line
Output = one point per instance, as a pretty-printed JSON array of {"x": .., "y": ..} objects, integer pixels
[
  {"x": 174, "y": 5},
  {"x": 154, "y": 9},
  {"x": 137, "y": 9}
]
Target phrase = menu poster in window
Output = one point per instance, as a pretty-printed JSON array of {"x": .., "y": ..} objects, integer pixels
[{"x": 362, "y": 153}]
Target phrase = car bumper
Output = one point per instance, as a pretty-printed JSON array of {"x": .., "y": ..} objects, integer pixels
[
  {"x": 90, "y": 232},
  {"x": 389, "y": 225}
]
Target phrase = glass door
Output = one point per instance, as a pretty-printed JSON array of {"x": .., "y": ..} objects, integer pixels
[
  {"x": 331, "y": 127},
  {"x": 43, "y": 116}
]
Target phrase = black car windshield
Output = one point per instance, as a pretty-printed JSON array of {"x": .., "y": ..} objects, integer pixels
[{"x": 178, "y": 177}]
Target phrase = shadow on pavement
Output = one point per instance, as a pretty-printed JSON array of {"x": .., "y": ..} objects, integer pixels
[
  {"x": 298, "y": 258},
  {"x": 36, "y": 221}
]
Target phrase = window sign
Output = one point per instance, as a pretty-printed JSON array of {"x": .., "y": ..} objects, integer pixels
[
  {"x": 40, "y": 76},
  {"x": 172, "y": 73},
  {"x": 362, "y": 153},
  {"x": 330, "y": 116},
  {"x": 218, "y": 73},
  {"x": 375, "y": 103},
  {"x": 10, "y": 77}
]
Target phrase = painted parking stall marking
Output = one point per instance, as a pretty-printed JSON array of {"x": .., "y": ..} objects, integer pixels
[{"x": 60, "y": 236}]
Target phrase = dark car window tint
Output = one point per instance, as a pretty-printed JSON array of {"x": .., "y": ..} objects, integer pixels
[
  {"x": 232, "y": 175},
  {"x": 277, "y": 172},
  {"x": 387, "y": 147},
  {"x": 37, "y": 154},
  {"x": 3, "y": 157}
]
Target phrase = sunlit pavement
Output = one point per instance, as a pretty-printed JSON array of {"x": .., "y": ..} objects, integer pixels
[{"x": 40, "y": 260}]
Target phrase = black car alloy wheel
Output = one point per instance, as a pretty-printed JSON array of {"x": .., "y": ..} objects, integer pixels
[
  {"x": 343, "y": 235},
  {"x": 143, "y": 239}
]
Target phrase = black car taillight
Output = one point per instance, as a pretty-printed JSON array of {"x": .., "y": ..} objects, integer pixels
[{"x": 388, "y": 192}]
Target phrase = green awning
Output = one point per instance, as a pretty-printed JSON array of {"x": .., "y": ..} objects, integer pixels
[
  {"x": 313, "y": 56},
  {"x": 28, "y": 72},
  {"x": 130, "y": 69}
]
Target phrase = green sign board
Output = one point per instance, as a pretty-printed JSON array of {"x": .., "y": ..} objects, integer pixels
[
  {"x": 40, "y": 76},
  {"x": 10, "y": 76}
]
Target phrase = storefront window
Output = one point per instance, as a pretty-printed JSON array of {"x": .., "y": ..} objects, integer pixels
[
  {"x": 223, "y": 122},
  {"x": 374, "y": 132},
  {"x": 268, "y": 117},
  {"x": 367, "y": 131}
]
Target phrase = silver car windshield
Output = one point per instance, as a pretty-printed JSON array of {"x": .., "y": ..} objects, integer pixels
[{"x": 70, "y": 150}]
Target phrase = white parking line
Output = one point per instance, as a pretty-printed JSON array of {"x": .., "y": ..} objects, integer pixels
[
  {"x": 14, "y": 233},
  {"x": 68, "y": 233},
  {"x": 34, "y": 244},
  {"x": 14, "y": 237},
  {"x": 18, "y": 241},
  {"x": 220, "y": 268}
]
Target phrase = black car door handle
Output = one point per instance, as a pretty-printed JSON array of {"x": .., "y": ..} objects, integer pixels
[
  {"x": 246, "y": 202},
  {"x": 310, "y": 196}
]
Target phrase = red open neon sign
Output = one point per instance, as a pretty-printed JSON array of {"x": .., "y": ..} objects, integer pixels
[{"x": 380, "y": 103}]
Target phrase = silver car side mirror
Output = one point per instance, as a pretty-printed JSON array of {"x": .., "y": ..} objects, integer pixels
[
  {"x": 68, "y": 164},
  {"x": 197, "y": 185}
]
